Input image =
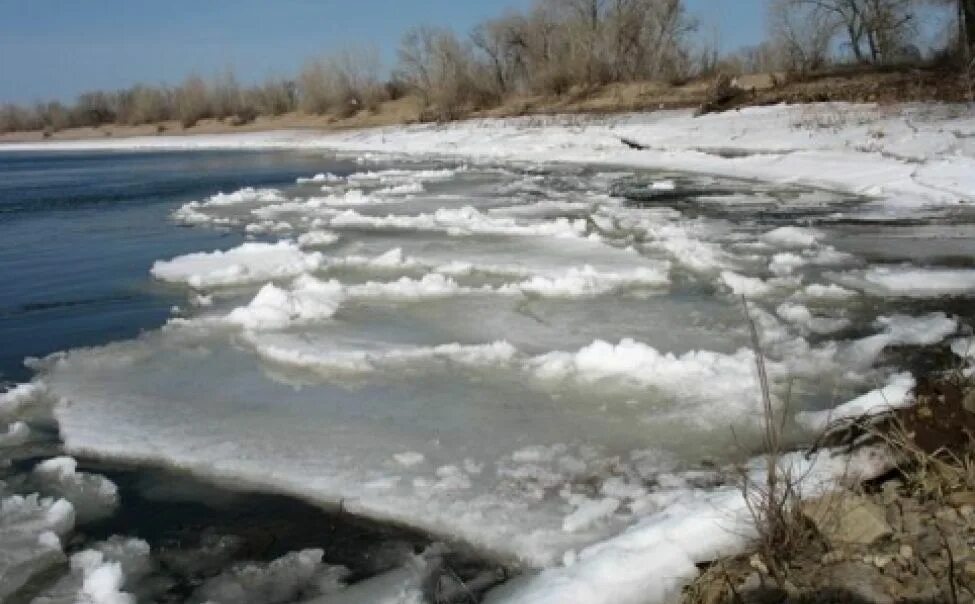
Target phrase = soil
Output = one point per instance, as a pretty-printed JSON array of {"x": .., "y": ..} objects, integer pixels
[
  {"x": 888, "y": 85},
  {"x": 925, "y": 550}
]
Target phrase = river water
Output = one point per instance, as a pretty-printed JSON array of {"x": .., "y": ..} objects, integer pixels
[{"x": 519, "y": 360}]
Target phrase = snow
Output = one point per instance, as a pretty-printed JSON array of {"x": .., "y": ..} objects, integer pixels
[
  {"x": 895, "y": 394},
  {"x": 100, "y": 574},
  {"x": 92, "y": 495},
  {"x": 248, "y": 263},
  {"x": 726, "y": 381},
  {"x": 915, "y": 163},
  {"x": 17, "y": 434},
  {"x": 30, "y": 530},
  {"x": 296, "y": 576},
  {"x": 462, "y": 221},
  {"x": 915, "y": 282},
  {"x": 317, "y": 238},
  {"x": 792, "y": 237}
]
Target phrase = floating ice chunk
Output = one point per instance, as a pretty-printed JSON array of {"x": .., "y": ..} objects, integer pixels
[
  {"x": 319, "y": 178},
  {"x": 288, "y": 350},
  {"x": 800, "y": 315},
  {"x": 901, "y": 330},
  {"x": 589, "y": 512},
  {"x": 964, "y": 347},
  {"x": 17, "y": 434},
  {"x": 897, "y": 393},
  {"x": 317, "y": 238},
  {"x": 410, "y": 188},
  {"x": 247, "y": 263},
  {"x": 792, "y": 237},
  {"x": 725, "y": 380},
  {"x": 431, "y": 285},
  {"x": 409, "y": 458},
  {"x": 308, "y": 299},
  {"x": 400, "y": 586},
  {"x": 14, "y": 402},
  {"x": 294, "y": 576},
  {"x": 916, "y": 282},
  {"x": 827, "y": 292},
  {"x": 92, "y": 495},
  {"x": 30, "y": 528},
  {"x": 463, "y": 221},
  {"x": 352, "y": 197},
  {"x": 587, "y": 281},
  {"x": 786, "y": 263},
  {"x": 268, "y": 226},
  {"x": 396, "y": 176},
  {"x": 750, "y": 287},
  {"x": 245, "y": 195}
]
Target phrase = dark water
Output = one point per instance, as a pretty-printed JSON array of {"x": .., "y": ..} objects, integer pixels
[{"x": 79, "y": 232}]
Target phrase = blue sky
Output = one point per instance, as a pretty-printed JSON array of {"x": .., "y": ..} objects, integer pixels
[{"x": 58, "y": 48}]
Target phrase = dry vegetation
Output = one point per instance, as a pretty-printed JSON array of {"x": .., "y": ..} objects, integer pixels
[
  {"x": 907, "y": 536},
  {"x": 562, "y": 55}
]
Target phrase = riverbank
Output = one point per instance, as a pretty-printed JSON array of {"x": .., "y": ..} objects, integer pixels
[
  {"x": 841, "y": 85},
  {"x": 905, "y": 536},
  {"x": 904, "y": 156}
]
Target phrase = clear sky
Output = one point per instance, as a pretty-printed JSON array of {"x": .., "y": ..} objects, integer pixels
[{"x": 58, "y": 48}]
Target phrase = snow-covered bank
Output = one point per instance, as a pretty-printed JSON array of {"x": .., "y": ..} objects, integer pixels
[{"x": 907, "y": 155}]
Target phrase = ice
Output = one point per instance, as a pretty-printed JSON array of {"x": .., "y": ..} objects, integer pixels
[
  {"x": 740, "y": 285},
  {"x": 897, "y": 393},
  {"x": 803, "y": 317},
  {"x": 462, "y": 221},
  {"x": 30, "y": 528},
  {"x": 317, "y": 238},
  {"x": 829, "y": 291},
  {"x": 320, "y": 178},
  {"x": 296, "y": 576},
  {"x": 248, "y": 263},
  {"x": 191, "y": 213},
  {"x": 964, "y": 347},
  {"x": 409, "y": 458},
  {"x": 917, "y": 163},
  {"x": 726, "y": 381},
  {"x": 905, "y": 331},
  {"x": 293, "y": 352},
  {"x": 792, "y": 237},
  {"x": 92, "y": 495},
  {"x": 588, "y": 281},
  {"x": 914, "y": 282},
  {"x": 589, "y": 512},
  {"x": 488, "y": 356},
  {"x": 14, "y": 402},
  {"x": 307, "y": 299},
  {"x": 100, "y": 574},
  {"x": 652, "y": 561},
  {"x": 17, "y": 434}
]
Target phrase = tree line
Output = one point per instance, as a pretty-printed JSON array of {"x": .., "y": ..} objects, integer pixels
[{"x": 555, "y": 47}]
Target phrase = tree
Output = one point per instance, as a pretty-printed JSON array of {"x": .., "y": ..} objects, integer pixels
[
  {"x": 876, "y": 31},
  {"x": 802, "y": 33}
]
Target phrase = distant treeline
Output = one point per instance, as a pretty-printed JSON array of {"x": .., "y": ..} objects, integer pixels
[{"x": 557, "y": 47}]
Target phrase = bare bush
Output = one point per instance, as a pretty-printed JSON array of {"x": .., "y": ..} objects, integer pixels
[
  {"x": 343, "y": 83},
  {"x": 441, "y": 69}
]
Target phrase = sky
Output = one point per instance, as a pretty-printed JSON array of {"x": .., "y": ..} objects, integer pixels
[{"x": 55, "y": 49}]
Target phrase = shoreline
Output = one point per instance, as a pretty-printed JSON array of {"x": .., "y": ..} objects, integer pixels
[{"x": 906, "y": 157}]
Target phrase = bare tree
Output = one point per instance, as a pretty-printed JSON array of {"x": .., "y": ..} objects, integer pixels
[
  {"x": 802, "y": 32},
  {"x": 441, "y": 69},
  {"x": 875, "y": 30}
]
